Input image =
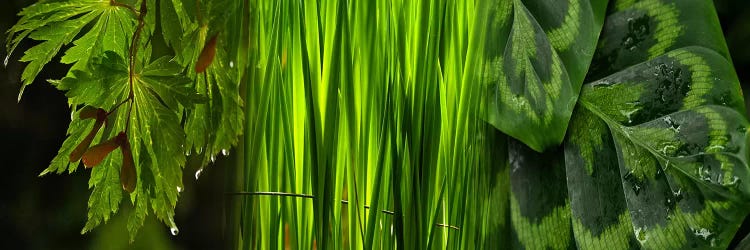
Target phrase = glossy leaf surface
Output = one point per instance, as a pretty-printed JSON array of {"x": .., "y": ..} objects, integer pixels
[
  {"x": 657, "y": 151},
  {"x": 540, "y": 52}
]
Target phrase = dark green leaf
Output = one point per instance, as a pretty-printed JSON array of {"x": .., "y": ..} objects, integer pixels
[
  {"x": 540, "y": 214},
  {"x": 669, "y": 113},
  {"x": 540, "y": 52}
]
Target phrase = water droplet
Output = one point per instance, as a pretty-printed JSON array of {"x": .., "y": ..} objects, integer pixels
[
  {"x": 601, "y": 83},
  {"x": 672, "y": 124},
  {"x": 634, "y": 182},
  {"x": 677, "y": 195},
  {"x": 5, "y": 62},
  {"x": 640, "y": 234},
  {"x": 704, "y": 173},
  {"x": 198, "y": 173},
  {"x": 715, "y": 148},
  {"x": 231, "y": 64},
  {"x": 174, "y": 231},
  {"x": 179, "y": 189},
  {"x": 668, "y": 149},
  {"x": 703, "y": 233},
  {"x": 735, "y": 181},
  {"x": 213, "y": 159},
  {"x": 629, "y": 114},
  {"x": 225, "y": 152}
]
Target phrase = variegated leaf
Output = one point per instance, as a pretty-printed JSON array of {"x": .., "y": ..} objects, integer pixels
[
  {"x": 656, "y": 154},
  {"x": 539, "y": 53},
  {"x": 539, "y": 204}
]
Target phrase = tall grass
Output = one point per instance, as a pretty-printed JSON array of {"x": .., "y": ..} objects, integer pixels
[{"x": 363, "y": 128}]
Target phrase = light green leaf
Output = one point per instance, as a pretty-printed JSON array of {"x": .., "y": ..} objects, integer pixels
[
  {"x": 160, "y": 91},
  {"x": 214, "y": 126},
  {"x": 539, "y": 54},
  {"x": 57, "y": 24}
]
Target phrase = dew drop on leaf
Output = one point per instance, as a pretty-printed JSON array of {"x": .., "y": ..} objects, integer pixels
[
  {"x": 213, "y": 159},
  {"x": 734, "y": 182},
  {"x": 174, "y": 230},
  {"x": 179, "y": 189},
  {"x": 198, "y": 173},
  {"x": 225, "y": 152},
  {"x": 231, "y": 64},
  {"x": 5, "y": 62},
  {"x": 703, "y": 233},
  {"x": 640, "y": 234},
  {"x": 634, "y": 182}
]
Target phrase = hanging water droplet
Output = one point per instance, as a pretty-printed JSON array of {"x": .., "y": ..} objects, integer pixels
[
  {"x": 174, "y": 231},
  {"x": 198, "y": 173},
  {"x": 5, "y": 62},
  {"x": 225, "y": 152},
  {"x": 213, "y": 159},
  {"x": 231, "y": 64},
  {"x": 179, "y": 189}
]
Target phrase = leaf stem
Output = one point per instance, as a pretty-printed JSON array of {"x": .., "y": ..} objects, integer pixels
[
  {"x": 118, "y": 4},
  {"x": 132, "y": 54}
]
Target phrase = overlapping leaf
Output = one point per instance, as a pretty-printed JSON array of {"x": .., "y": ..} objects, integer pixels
[
  {"x": 213, "y": 127},
  {"x": 105, "y": 27},
  {"x": 655, "y": 154},
  {"x": 541, "y": 51},
  {"x": 160, "y": 90},
  {"x": 664, "y": 133}
]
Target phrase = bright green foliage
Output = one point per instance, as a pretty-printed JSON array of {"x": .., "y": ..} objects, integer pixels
[
  {"x": 375, "y": 103},
  {"x": 414, "y": 124},
  {"x": 212, "y": 127},
  {"x": 166, "y": 110},
  {"x": 540, "y": 54},
  {"x": 57, "y": 24}
]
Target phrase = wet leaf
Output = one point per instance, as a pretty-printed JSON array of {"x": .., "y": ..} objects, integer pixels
[
  {"x": 538, "y": 54},
  {"x": 656, "y": 153}
]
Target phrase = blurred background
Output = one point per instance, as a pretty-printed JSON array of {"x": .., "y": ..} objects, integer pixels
[{"x": 49, "y": 212}]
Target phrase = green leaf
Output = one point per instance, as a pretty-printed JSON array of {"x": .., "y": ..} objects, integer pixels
[
  {"x": 160, "y": 92},
  {"x": 540, "y": 52},
  {"x": 213, "y": 126},
  {"x": 656, "y": 153},
  {"x": 540, "y": 214},
  {"x": 105, "y": 27},
  {"x": 680, "y": 143}
]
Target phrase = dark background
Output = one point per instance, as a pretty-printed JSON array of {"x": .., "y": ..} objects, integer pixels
[{"x": 49, "y": 212}]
